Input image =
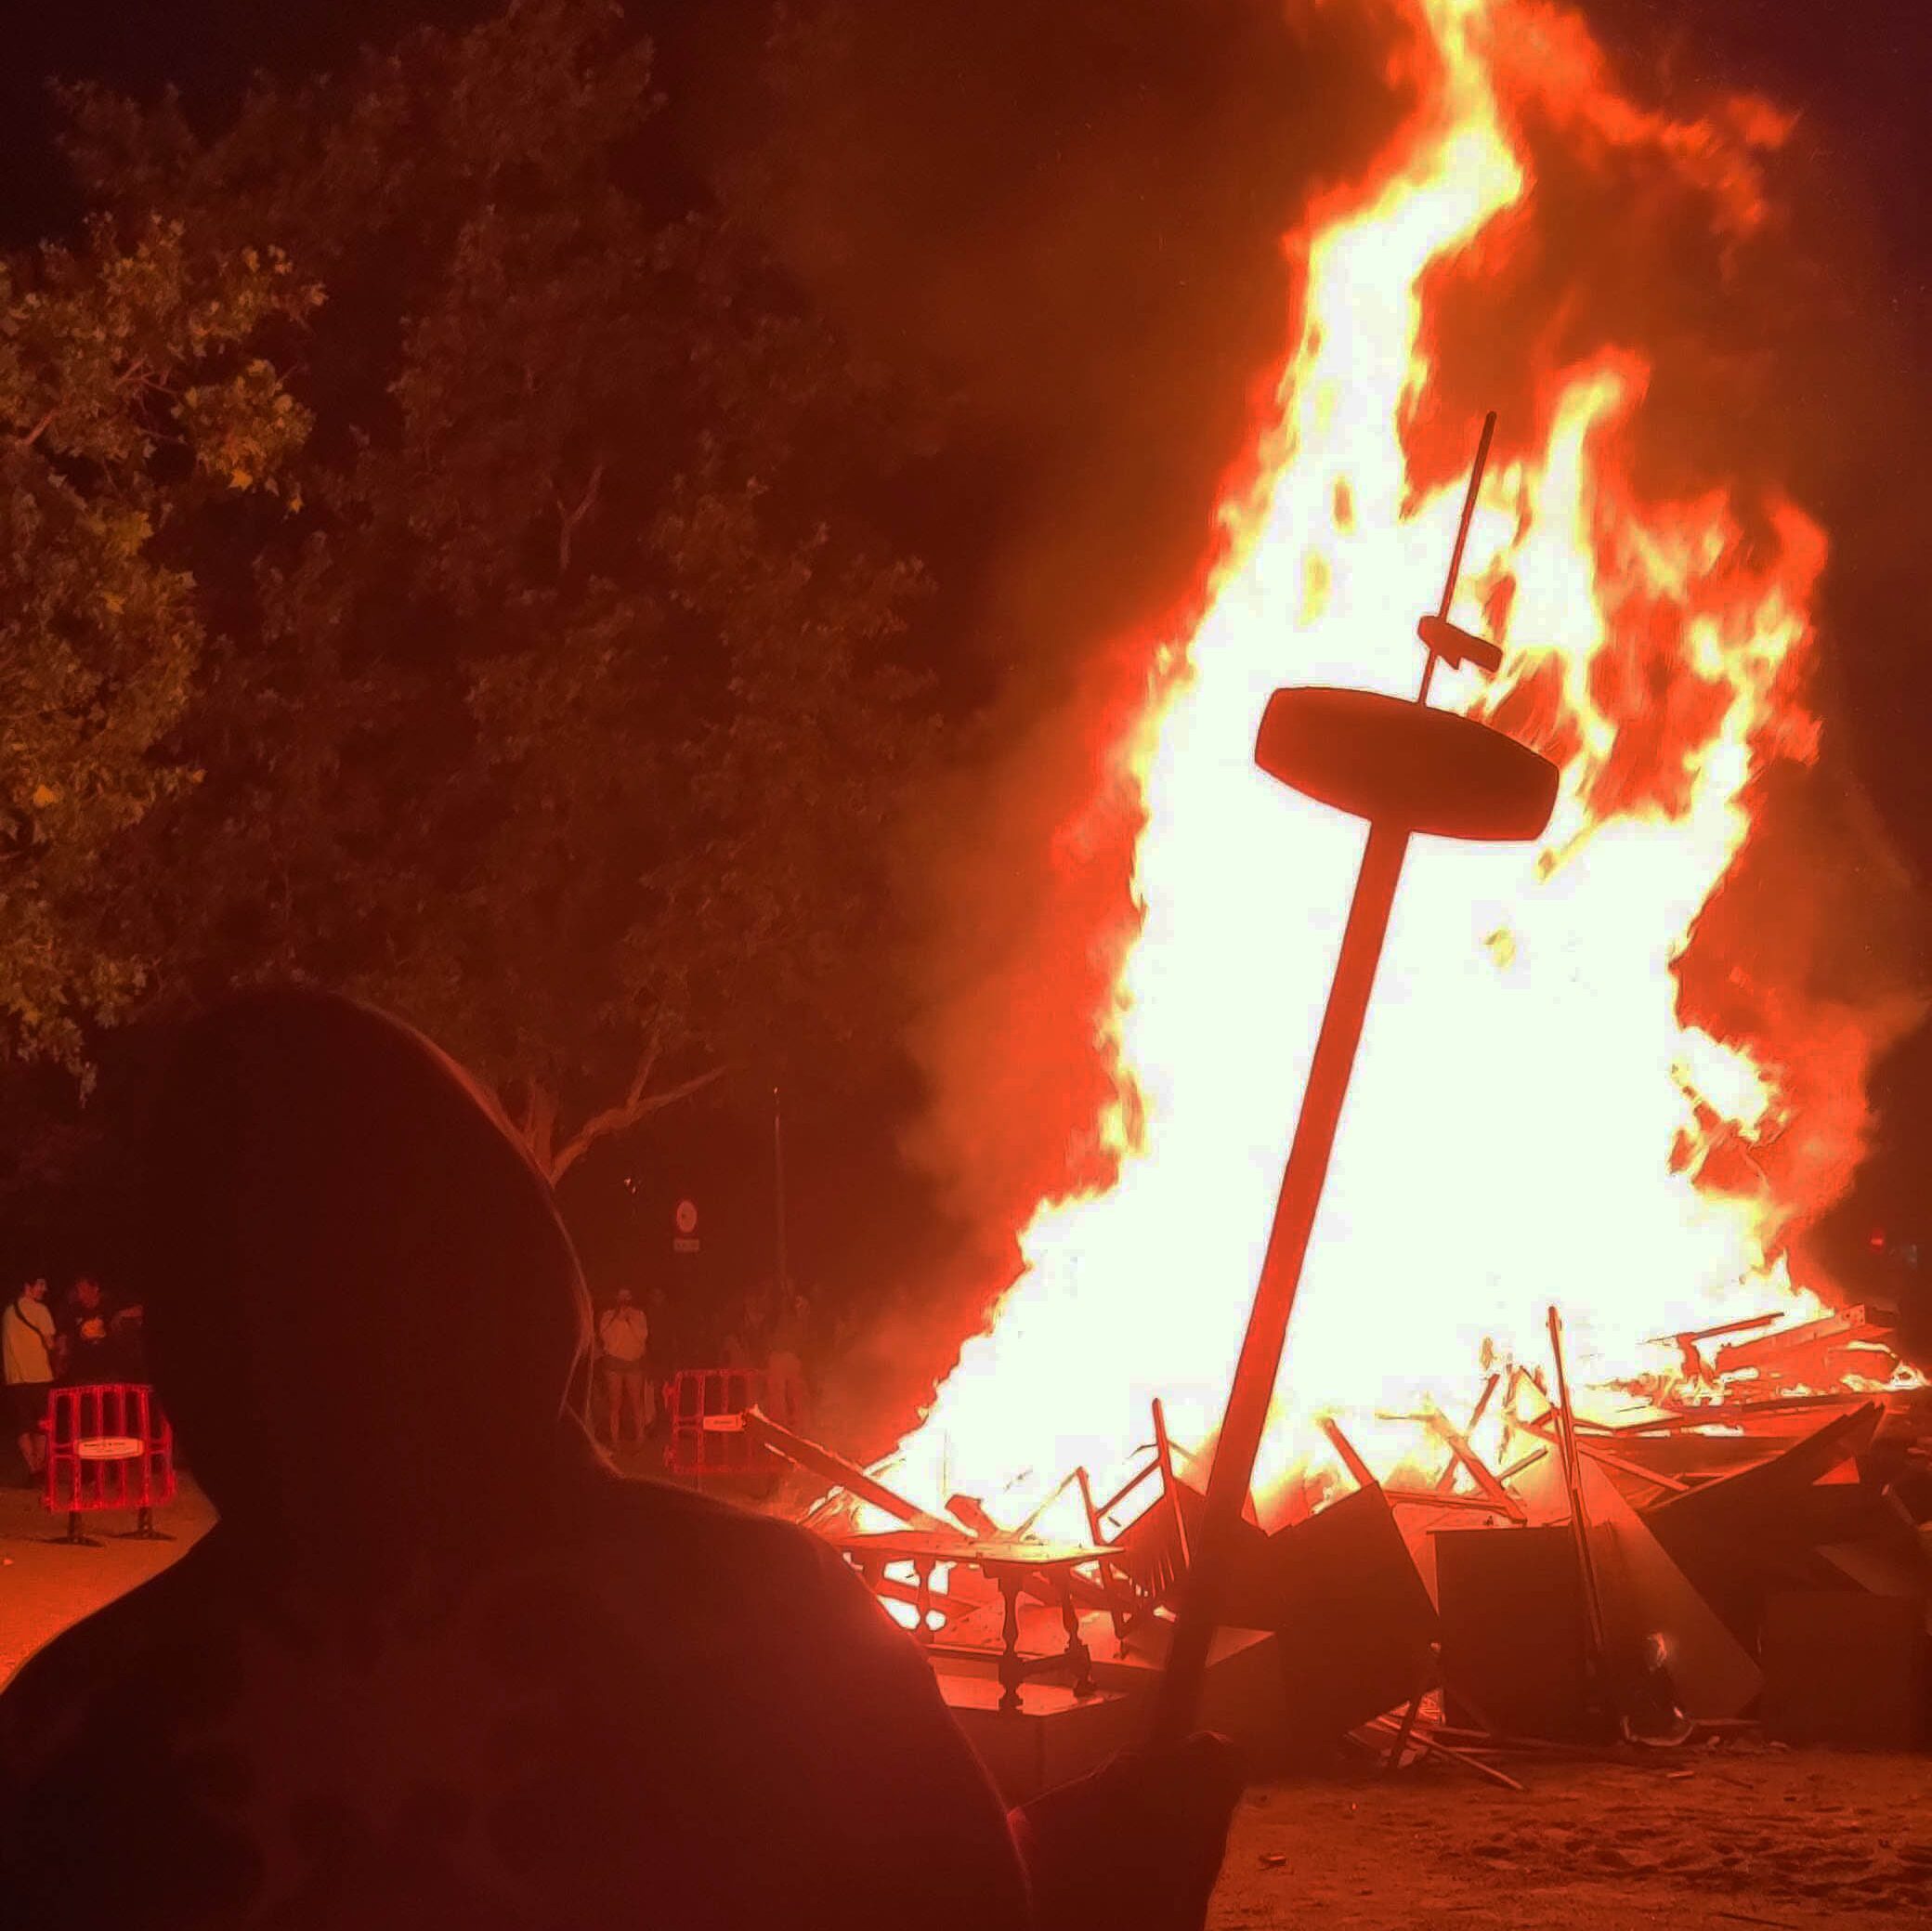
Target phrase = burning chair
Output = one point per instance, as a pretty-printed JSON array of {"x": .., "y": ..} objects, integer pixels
[{"x": 1144, "y": 1561}]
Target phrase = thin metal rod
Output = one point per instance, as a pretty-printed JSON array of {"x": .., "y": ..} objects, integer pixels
[
  {"x": 784, "y": 1281},
  {"x": 1255, "y": 1372},
  {"x": 1462, "y": 536},
  {"x": 1572, "y": 1465}
]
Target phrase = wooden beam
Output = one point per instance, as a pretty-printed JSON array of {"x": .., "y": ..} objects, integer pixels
[
  {"x": 836, "y": 1469},
  {"x": 1446, "y": 1480},
  {"x": 1365, "y": 1476},
  {"x": 1588, "y": 1445},
  {"x": 1479, "y": 1471}
]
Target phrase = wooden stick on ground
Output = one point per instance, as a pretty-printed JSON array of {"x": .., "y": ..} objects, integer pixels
[{"x": 1425, "y": 1741}]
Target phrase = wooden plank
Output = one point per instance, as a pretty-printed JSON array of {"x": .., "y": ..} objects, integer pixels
[
  {"x": 1364, "y": 1474},
  {"x": 1480, "y": 1472},
  {"x": 1434, "y": 1498},
  {"x": 1425, "y": 1739},
  {"x": 1445, "y": 1481},
  {"x": 1597, "y": 1453},
  {"x": 842, "y": 1474},
  {"x": 1767, "y": 1350}
]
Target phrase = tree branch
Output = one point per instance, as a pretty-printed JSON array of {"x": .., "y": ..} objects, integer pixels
[
  {"x": 568, "y": 519},
  {"x": 539, "y": 1123},
  {"x": 635, "y": 1105}
]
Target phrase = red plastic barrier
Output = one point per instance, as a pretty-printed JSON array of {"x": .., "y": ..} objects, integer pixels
[
  {"x": 707, "y": 1439},
  {"x": 109, "y": 1446}
]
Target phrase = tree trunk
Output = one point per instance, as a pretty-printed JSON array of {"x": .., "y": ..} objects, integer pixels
[{"x": 540, "y": 1128}]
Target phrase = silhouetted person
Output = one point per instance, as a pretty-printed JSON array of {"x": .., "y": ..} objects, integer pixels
[
  {"x": 437, "y": 1667},
  {"x": 103, "y": 1338},
  {"x": 784, "y": 1365},
  {"x": 29, "y": 1355},
  {"x": 623, "y": 1344}
]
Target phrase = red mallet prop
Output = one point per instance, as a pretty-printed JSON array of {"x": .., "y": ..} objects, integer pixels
[{"x": 1406, "y": 769}]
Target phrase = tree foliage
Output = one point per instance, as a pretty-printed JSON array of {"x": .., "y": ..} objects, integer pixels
[
  {"x": 568, "y": 716},
  {"x": 136, "y": 409}
]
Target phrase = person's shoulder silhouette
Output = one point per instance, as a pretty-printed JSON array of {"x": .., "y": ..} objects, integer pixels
[{"x": 436, "y": 1664}]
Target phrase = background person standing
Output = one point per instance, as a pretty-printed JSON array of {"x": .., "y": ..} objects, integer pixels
[
  {"x": 27, "y": 1351},
  {"x": 103, "y": 1338},
  {"x": 784, "y": 1367},
  {"x": 623, "y": 1339}
]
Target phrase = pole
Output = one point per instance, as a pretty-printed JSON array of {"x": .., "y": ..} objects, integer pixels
[
  {"x": 778, "y": 1186},
  {"x": 1596, "y": 1641},
  {"x": 1253, "y": 1387},
  {"x": 1462, "y": 536}
]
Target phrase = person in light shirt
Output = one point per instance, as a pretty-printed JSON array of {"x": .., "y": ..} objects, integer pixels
[
  {"x": 27, "y": 1349},
  {"x": 623, "y": 1341}
]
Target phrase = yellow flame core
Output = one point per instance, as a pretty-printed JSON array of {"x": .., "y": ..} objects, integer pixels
[{"x": 1515, "y": 1128}]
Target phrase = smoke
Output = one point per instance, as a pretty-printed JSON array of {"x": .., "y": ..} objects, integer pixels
[{"x": 1068, "y": 221}]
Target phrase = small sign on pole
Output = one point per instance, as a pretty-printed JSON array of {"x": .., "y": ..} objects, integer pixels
[{"x": 684, "y": 1241}]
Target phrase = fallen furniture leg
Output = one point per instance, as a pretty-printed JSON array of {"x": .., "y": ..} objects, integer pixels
[
  {"x": 1012, "y": 1672},
  {"x": 923, "y": 1571},
  {"x": 1078, "y": 1652},
  {"x": 889, "y": 1589},
  {"x": 1096, "y": 1529}
]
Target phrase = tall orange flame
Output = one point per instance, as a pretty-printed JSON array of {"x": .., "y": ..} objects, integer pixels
[{"x": 1531, "y": 1119}]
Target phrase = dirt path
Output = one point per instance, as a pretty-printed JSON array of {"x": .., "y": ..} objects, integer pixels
[
  {"x": 1751, "y": 1836},
  {"x": 44, "y": 1585},
  {"x": 1738, "y": 1836}
]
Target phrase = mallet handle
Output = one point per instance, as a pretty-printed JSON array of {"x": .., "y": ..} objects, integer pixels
[{"x": 1177, "y": 1707}]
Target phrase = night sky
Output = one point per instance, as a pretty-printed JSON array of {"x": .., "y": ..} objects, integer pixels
[{"x": 1200, "y": 101}]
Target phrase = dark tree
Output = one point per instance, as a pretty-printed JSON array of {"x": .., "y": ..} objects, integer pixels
[
  {"x": 569, "y": 719},
  {"x": 136, "y": 410}
]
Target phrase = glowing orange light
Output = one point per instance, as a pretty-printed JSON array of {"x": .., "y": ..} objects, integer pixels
[{"x": 1531, "y": 1120}]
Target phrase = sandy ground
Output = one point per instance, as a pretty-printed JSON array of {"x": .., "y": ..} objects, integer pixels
[
  {"x": 1709, "y": 1840},
  {"x": 44, "y": 1585},
  {"x": 1743, "y": 1835}
]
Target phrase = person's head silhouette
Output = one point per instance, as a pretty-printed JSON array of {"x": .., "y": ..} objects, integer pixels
[{"x": 362, "y": 1309}]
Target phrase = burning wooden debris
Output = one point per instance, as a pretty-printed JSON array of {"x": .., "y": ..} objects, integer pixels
[
  {"x": 1713, "y": 1555},
  {"x": 1530, "y": 1572}
]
